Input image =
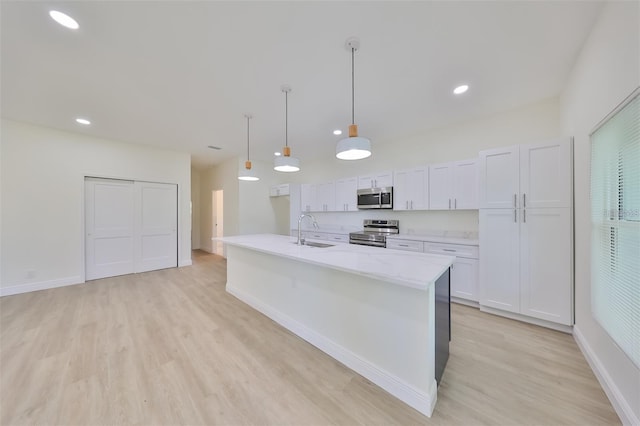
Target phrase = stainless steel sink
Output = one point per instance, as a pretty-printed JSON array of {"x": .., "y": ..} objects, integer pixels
[{"x": 314, "y": 244}]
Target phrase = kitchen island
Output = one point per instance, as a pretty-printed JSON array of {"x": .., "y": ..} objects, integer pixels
[{"x": 372, "y": 309}]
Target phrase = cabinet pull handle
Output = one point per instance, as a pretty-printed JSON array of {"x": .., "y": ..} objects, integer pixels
[
  {"x": 455, "y": 203},
  {"x": 449, "y": 250},
  {"x": 524, "y": 216},
  {"x": 524, "y": 200},
  {"x": 515, "y": 216},
  {"x": 406, "y": 206},
  {"x": 449, "y": 203},
  {"x": 411, "y": 204},
  {"x": 403, "y": 245},
  {"x": 515, "y": 200}
]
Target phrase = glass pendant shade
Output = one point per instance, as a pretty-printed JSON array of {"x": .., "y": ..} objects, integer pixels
[{"x": 286, "y": 164}]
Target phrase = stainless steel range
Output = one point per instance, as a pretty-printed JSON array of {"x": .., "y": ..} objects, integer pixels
[{"x": 375, "y": 232}]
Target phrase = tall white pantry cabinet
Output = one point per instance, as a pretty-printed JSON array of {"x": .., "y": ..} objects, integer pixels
[{"x": 526, "y": 230}]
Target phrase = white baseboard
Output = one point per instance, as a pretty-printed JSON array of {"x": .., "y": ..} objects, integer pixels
[
  {"x": 619, "y": 403},
  {"x": 524, "y": 318},
  {"x": 185, "y": 262},
  {"x": 42, "y": 285},
  {"x": 422, "y": 401},
  {"x": 460, "y": 301}
]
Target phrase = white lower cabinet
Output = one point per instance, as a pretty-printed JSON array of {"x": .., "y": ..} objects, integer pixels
[
  {"x": 464, "y": 273},
  {"x": 407, "y": 245},
  {"x": 526, "y": 263}
]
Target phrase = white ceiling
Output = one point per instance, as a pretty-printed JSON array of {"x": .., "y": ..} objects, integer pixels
[{"x": 182, "y": 74}]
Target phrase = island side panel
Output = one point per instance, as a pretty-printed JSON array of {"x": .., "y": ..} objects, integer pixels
[{"x": 382, "y": 330}]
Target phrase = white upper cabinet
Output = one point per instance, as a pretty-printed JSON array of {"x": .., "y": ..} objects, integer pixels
[
  {"x": 378, "y": 180},
  {"x": 308, "y": 197},
  {"x": 346, "y": 199},
  {"x": 499, "y": 178},
  {"x": 325, "y": 197},
  {"x": 318, "y": 197},
  {"x": 526, "y": 176},
  {"x": 453, "y": 186},
  {"x": 465, "y": 184},
  {"x": 545, "y": 175},
  {"x": 439, "y": 186},
  {"x": 410, "y": 190}
]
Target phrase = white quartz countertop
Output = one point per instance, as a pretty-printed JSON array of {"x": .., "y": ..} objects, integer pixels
[
  {"x": 416, "y": 270},
  {"x": 436, "y": 239}
]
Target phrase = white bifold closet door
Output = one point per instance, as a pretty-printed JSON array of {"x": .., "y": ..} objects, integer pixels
[{"x": 130, "y": 227}]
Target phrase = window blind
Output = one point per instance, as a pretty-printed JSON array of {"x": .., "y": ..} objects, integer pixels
[{"x": 615, "y": 226}]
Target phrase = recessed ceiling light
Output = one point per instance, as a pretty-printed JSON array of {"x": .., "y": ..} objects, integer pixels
[
  {"x": 277, "y": 154},
  {"x": 64, "y": 19},
  {"x": 460, "y": 89},
  {"x": 337, "y": 132},
  {"x": 83, "y": 121},
  {"x": 217, "y": 148}
]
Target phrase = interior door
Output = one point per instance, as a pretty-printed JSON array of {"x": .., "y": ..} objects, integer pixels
[
  {"x": 109, "y": 223},
  {"x": 157, "y": 220}
]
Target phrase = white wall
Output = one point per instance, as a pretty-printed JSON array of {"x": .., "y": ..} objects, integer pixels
[
  {"x": 42, "y": 189},
  {"x": 528, "y": 124},
  {"x": 607, "y": 70},
  {"x": 248, "y": 209}
]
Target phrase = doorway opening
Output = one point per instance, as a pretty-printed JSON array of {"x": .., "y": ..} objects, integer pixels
[{"x": 217, "y": 220}]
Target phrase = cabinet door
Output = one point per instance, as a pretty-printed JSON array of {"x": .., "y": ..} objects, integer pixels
[
  {"x": 465, "y": 184},
  {"x": 545, "y": 174},
  {"x": 418, "y": 188},
  {"x": 464, "y": 279},
  {"x": 383, "y": 179},
  {"x": 499, "y": 259},
  {"x": 499, "y": 178},
  {"x": 308, "y": 197},
  {"x": 401, "y": 190},
  {"x": 545, "y": 264},
  {"x": 440, "y": 186},
  {"x": 366, "y": 181},
  {"x": 346, "y": 199},
  {"x": 326, "y": 197}
]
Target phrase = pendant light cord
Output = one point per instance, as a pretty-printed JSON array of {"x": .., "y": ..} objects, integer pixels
[
  {"x": 286, "y": 118},
  {"x": 248, "y": 118},
  {"x": 353, "y": 114}
]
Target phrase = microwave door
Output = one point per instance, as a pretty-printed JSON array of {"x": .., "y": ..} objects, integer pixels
[{"x": 369, "y": 201}]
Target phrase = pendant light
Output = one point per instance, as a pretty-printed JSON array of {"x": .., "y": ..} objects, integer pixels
[
  {"x": 286, "y": 163},
  {"x": 247, "y": 174},
  {"x": 354, "y": 147}
]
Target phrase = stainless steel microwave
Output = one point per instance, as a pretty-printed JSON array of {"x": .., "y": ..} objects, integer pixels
[{"x": 375, "y": 198}]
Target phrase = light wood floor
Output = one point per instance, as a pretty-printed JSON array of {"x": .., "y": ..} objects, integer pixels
[{"x": 172, "y": 347}]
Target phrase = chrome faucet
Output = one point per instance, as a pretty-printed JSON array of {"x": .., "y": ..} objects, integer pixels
[{"x": 315, "y": 225}]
